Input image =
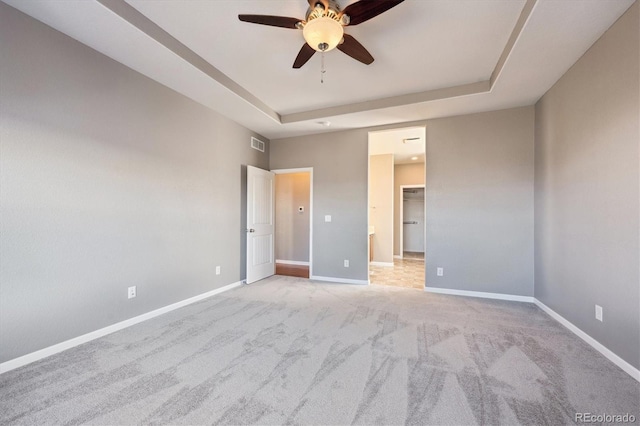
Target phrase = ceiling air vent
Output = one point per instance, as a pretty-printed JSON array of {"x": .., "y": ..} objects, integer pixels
[
  {"x": 257, "y": 144},
  {"x": 412, "y": 141}
]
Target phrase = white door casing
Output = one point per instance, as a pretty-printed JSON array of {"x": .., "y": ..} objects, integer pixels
[{"x": 260, "y": 224}]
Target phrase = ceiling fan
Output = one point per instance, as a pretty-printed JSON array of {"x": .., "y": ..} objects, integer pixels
[{"x": 323, "y": 27}]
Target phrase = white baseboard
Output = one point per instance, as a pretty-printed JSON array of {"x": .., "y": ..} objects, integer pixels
[
  {"x": 59, "y": 347},
  {"x": 292, "y": 262},
  {"x": 481, "y": 294},
  {"x": 624, "y": 365},
  {"x": 339, "y": 280},
  {"x": 395, "y": 256},
  {"x": 385, "y": 264}
]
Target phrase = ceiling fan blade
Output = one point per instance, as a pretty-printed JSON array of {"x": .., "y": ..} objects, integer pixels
[
  {"x": 303, "y": 56},
  {"x": 364, "y": 10},
  {"x": 274, "y": 21},
  {"x": 353, "y": 48}
]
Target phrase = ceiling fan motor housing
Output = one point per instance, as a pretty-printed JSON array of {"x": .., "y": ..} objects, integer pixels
[
  {"x": 323, "y": 26},
  {"x": 323, "y": 29},
  {"x": 333, "y": 12}
]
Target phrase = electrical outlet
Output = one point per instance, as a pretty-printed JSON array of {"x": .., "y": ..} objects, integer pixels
[
  {"x": 327, "y": 218},
  {"x": 217, "y": 270},
  {"x": 599, "y": 312},
  {"x": 131, "y": 292},
  {"x": 346, "y": 263},
  {"x": 440, "y": 272}
]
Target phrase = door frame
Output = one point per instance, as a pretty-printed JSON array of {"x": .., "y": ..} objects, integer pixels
[
  {"x": 310, "y": 171},
  {"x": 402, "y": 188},
  {"x": 399, "y": 127}
]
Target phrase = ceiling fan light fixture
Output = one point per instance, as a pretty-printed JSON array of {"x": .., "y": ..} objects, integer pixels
[{"x": 323, "y": 34}]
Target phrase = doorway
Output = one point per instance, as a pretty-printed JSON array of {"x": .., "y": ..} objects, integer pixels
[
  {"x": 412, "y": 231},
  {"x": 294, "y": 222},
  {"x": 397, "y": 237}
]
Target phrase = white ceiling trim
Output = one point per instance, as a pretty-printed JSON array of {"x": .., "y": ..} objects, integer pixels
[
  {"x": 527, "y": 10},
  {"x": 150, "y": 28},
  {"x": 395, "y": 101},
  {"x": 430, "y": 95}
]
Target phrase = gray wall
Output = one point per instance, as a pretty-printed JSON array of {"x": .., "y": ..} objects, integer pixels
[
  {"x": 479, "y": 202},
  {"x": 587, "y": 194},
  {"x": 479, "y": 187},
  {"x": 108, "y": 180},
  {"x": 292, "y": 227},
  {"x": 339, "y": 162}
]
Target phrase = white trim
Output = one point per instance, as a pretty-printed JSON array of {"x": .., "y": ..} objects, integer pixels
[
  {"x": 68, "y": 344},
  {"x": 395, "y": 256},
  {"x": 292, "y": 262},
  {"x": 310, "y": 171},
  {"x": 481, "y": 294},
  {"x": 624, "y": 365},
  {"x": 339, "y": 280},
  {"x": 369, "y": 257},
  {"x": 385, "y": 264}
]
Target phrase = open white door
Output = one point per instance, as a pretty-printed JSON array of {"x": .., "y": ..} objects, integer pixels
[{"x": 260, "y": 224}]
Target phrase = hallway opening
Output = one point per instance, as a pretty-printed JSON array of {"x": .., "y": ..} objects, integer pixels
[{"x": 397, "y": 207}]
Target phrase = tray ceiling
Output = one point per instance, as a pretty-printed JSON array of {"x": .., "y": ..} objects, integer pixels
[{"x": 433, "y": 58}]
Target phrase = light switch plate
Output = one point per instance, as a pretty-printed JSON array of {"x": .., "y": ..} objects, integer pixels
[{"x": 327, "y": 218}]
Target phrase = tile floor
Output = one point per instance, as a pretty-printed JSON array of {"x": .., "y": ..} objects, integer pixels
[
  {"x": 406, "y": 272},
  {"x": 413, "y": 255}
]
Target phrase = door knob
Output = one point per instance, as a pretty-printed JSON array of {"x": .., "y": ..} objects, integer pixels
[{"x": 251, "y": 230}]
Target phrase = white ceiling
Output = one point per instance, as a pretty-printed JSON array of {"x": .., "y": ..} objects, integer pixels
[
  {"x": 418, "y": 46},
  {"x": 428, "y": 55},
  {"x": 405, "y": 144}
]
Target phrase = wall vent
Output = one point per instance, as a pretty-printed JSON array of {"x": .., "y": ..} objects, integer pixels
[{"x": 257, "y": 144}]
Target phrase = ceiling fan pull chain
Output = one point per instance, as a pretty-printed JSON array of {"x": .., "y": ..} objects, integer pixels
[{"x": 322, "y": 70}]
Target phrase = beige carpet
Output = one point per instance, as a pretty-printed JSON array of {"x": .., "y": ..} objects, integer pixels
[{"x": 291, "y": 351}]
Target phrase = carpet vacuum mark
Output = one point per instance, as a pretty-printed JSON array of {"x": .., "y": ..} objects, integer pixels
[{"x": 293, "y": 351}]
